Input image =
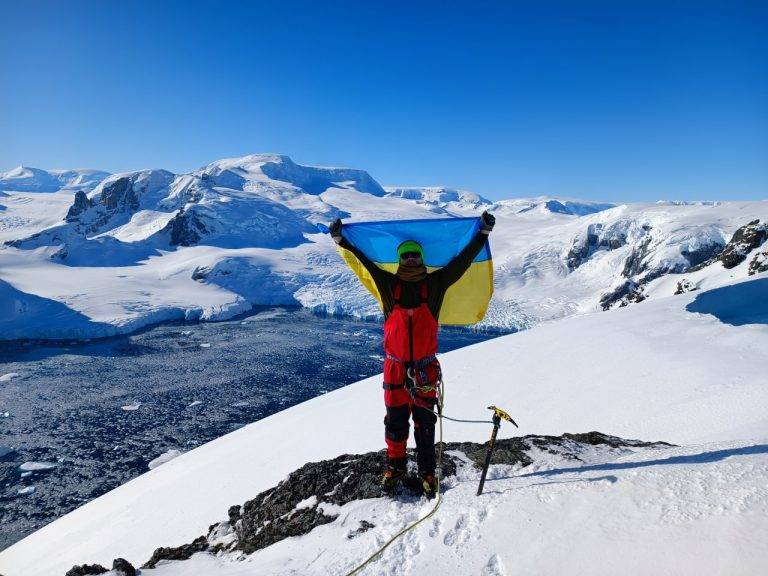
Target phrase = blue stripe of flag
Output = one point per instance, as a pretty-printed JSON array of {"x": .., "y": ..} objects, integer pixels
[{"x": 441, "y": 238}]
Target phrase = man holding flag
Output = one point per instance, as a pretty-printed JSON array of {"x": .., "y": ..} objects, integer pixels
[{"x": 411, "y": 299}]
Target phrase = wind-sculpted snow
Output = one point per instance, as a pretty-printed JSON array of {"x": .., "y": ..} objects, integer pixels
[{"x": 241, "y": 231}]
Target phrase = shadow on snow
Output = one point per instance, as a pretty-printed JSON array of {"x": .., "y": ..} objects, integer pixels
[{"x": 737, "y": 304}]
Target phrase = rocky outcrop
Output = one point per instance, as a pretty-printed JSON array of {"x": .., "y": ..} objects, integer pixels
[
  {"x": 81, "y": 204},
  {"x": 119, "y": 194},
  {"x": 684, "y": 286},
  {"x": 597, "y": 237},
  {"x": 120, "y": 567},
  {"x": 86, "y": 570},
  {"x": 628, "y": 292},
  {"x": 184, "y": 552},
  {"x": 185, "y": 228},
  {"x": 743, "y": 241},
  {"x": 308, "y": 497},
  {"x": 758, "y": 264}
]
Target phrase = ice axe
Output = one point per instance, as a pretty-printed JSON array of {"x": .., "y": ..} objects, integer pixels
[{"x": 498, "y": 416}]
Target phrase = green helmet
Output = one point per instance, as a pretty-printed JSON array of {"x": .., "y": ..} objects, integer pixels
[{"x": 409, "y": 246}]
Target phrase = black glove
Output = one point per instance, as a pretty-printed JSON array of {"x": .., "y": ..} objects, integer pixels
[
  {"x": 335, "y": 229},
  {"x": 488, "y": 222}
]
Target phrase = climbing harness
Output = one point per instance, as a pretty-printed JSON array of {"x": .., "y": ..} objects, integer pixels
[{"x": 498, "y": 415}]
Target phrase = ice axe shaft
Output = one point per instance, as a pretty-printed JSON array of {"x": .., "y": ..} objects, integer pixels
[{"x": 498, "y": 415}]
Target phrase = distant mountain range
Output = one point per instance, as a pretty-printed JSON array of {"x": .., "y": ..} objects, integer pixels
[{"x": 87, "y": 253}]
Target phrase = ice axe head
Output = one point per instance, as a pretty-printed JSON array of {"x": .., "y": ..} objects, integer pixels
[{"x": 499, "y": 414}]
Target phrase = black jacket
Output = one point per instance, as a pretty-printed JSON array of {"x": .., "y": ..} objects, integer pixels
[{"x": 438, "y": 281}]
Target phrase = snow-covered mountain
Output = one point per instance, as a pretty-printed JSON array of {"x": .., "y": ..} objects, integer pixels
[
  {"x": 686, "y": 369},
  {"x": 25, "y": 179},
  {"x": 151, "y": 245}
]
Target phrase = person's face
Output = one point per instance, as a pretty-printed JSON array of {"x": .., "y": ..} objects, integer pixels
[{"x": 410, "y": 259}]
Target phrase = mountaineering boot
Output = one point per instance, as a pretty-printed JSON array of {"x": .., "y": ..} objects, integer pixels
[
  {"x": 428, "y": 484},
  {"x": 394, "y": 474}
]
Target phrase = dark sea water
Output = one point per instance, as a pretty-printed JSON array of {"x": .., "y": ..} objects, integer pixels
[{"x": 70, "y": 404}]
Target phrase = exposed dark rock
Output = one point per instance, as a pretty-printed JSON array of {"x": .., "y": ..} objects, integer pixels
[
  {"x": 595, "y": 438},
  {"x": 185, "y": 228},
  {"x": 627, "y": 292},
  {"x": 596, "y": 238},
  {"x": 234, "y": 514},
  {"x": 119, "y": 194},
  {"x": 184, "y": 552},
  {"x": 364, "y": 527},
  {"x": 759, "y": 263},
  {"x": 634, "y": 264},
  {"x": 577, "y": 254},
  {"x": 86, "y": 570},
  {"x": 80, "y": 205},
  {"x": 122, "y": 567},
  {"x": 744, "y": 240},
  {"x": 200, "y": 273},
  {"x": 684, "y": 286}
]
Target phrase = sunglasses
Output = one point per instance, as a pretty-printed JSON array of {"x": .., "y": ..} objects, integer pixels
[{"x": 407, "y": 255}]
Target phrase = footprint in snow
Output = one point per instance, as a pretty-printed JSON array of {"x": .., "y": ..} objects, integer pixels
[
  {"x": 435, "y": 530},
  {"x": 465, "y": 525},
  {"x": 494, "y": 567},
  {"x": 459, "y": 533},
  {"x": 403, "y": 553}
]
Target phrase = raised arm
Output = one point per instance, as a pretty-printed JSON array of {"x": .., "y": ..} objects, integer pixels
[
  {"x": 381, "y": 277},
  {"x": 452, "y": 271}
]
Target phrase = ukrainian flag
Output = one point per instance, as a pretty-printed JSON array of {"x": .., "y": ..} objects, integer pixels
[{"x": 466, "y": 301}]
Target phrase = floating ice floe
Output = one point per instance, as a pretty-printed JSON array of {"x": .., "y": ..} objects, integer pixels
[
  {"x": 163, "y": 458},
  {"x": 26, "y": 490},
  {"x": 5, "y": 414},
  {"x": 205, "y": 345},
  {"x": 8, "y": 377},
  {"x": 186, "y": 332},
  {"x": 240, "y": 404},
  {"x": 37, "y": 466},
  {"x": 195, "y": 403},
  {"x": 26, "y": 474},
  {"x": 131, "y": 407}
]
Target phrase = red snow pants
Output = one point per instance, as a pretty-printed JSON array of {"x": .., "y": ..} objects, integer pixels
[{"x": 410, "y": 346}]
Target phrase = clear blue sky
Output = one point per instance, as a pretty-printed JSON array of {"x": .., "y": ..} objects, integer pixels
[{"x": 613, "y": 100}]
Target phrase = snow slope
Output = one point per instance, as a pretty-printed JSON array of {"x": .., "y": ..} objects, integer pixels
[
  {"x": 668, "y": 369},
  {"x": 135, "y": 248}
]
